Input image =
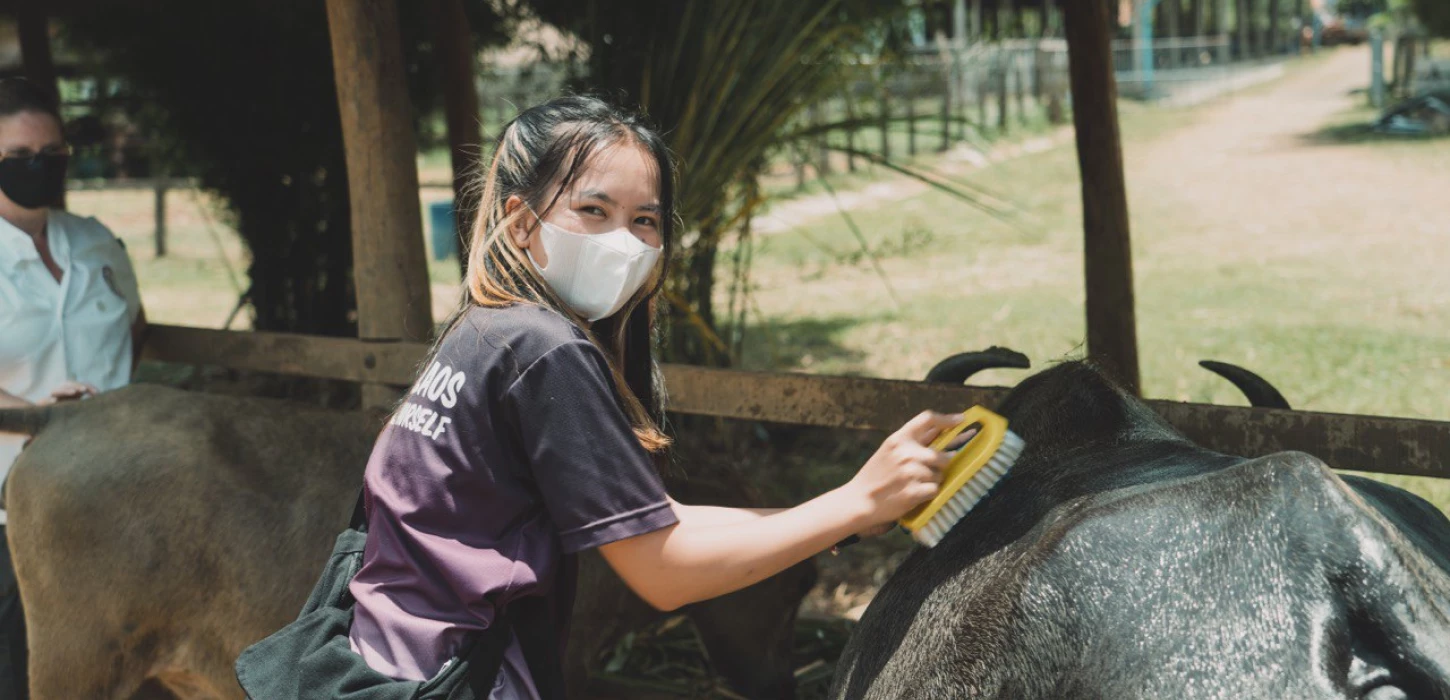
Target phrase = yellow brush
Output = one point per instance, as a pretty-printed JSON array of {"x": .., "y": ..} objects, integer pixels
[{"x": 973, "y": 471}]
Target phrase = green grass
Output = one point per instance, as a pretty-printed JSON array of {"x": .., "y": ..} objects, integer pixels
[{"x": 1342, "y": 313}]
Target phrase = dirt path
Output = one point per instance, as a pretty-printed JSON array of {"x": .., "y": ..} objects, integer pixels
[{"x": 1257, "y": 184}]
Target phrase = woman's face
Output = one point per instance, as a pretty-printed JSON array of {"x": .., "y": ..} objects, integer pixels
[
  {"x": 26, "y": 133},
  {"x": 618, "y": 189}
]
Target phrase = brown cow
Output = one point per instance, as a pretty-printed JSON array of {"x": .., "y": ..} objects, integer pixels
[{"x": 156, "y": 533}]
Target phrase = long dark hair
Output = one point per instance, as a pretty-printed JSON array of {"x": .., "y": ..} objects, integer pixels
[{"x": 552, "y": 142}]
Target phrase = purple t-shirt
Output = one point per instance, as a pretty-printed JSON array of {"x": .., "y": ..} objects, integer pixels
[{"x": 510, "y": 454}]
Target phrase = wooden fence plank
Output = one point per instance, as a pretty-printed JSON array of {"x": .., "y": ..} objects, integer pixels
[
  {"x": 1368, "y": 443},
  {"x": 392, "y": 363}
]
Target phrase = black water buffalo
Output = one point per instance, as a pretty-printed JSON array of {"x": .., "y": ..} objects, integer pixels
[
  {"x": 156, "y": 533},
  {"x": 1119, "y": 560}
]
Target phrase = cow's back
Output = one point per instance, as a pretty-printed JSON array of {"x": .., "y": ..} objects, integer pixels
[{"x": 159, "y": 531}]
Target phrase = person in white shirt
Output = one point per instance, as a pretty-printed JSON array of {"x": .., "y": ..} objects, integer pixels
[{"x": 70, "y": 315}]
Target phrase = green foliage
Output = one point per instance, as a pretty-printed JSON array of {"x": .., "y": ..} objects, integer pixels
[
  {"x": 1435, "y": 15},
  {"x": 241, "y": 96},
  {"x": 725, "y": 80}
]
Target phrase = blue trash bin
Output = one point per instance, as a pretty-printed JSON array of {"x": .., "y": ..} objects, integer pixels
[{"x": 440, "y": 227}]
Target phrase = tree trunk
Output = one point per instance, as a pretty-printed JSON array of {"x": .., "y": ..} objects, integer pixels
[
  {"x": 696, "y": 281},
  {"x": 389, "y": 271},
  {"x": 1111, "y": 332},
  {"x": 1194, "y": 26}
]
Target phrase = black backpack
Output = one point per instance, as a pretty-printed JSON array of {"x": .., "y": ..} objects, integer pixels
[{"x": 310, "y": 658}]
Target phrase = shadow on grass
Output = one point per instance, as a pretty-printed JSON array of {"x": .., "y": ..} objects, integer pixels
[
  {"x": 1362, "y": 133},
  {"x": 802, "y": 344}
]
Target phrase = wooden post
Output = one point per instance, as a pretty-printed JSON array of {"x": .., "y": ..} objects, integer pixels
[
  {"x": 35, "y": 56},
  {"x": 1173, "y": 21},
  {"x": 821, "y": 142},
  {"x": 1276, "y": 41},
  {"x": 949, "y": 86},
  {"x": 1298, "y": 23},
  {"x": 851, "y": 130},
  {"x": 1376, "y": 67},
  {"x": 1000, "y": 65},
  {"x": 453, "y": 41},
  {"x": 389, "y": 269},
  {"x": 885, "y": 120},
  {"x": 1406, "y": 83},
  {"x": 1019, "y": 87},
  {"x": 1225, "y": 53},
  {"x": 982, "y": 74},
  {"x": 160, "y": 216},
  {"x": 1244, "y": 21},
  {"x": 911, "y": 121},
  {"x": 1107, "y": 255}
]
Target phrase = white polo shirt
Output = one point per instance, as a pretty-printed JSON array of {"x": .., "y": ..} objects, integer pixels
[{"x": 77, "y": 329}]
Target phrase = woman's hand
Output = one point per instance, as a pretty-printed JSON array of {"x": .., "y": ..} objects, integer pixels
[
  {"x": 904, "y": 473},
  {"x": 68, "y": 391}
]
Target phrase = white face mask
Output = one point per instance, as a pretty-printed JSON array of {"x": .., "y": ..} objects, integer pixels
[{"x": 594, "y": 273}]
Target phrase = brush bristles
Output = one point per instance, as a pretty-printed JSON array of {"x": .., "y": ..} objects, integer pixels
[{"x": 972, "y": 492}]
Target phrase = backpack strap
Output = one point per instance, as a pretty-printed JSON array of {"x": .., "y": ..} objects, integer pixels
[
  {"x": 539, "y": 642},
  {"x": 485, "y": 658},
  {"x": 359, "y": 520}
]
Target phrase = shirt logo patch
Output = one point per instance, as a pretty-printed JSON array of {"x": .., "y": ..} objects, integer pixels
[{"x": 110, "y": 276}]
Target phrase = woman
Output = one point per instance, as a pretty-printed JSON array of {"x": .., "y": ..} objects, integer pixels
[
  {"x": 533, "y": 432},
  {"x": 69, "y": 309}
]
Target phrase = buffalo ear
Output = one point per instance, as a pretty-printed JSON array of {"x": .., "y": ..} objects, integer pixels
[
  {"x": 958, "y": 368},
  {"x": 1259, "y": 392}
]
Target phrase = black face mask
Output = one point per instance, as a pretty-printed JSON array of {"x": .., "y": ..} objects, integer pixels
[{"x": 33, "y": 182}]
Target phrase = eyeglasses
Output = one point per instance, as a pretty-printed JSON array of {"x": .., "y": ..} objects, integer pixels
[{"x": 62, "y": 150}]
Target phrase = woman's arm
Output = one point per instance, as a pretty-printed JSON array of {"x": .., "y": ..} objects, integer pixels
[
  {"x": 713, "y": 551},
  {"x": 719, "y": 515}
]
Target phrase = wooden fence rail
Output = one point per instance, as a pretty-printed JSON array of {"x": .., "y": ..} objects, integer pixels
[{"x": 1367, "y": 443}]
